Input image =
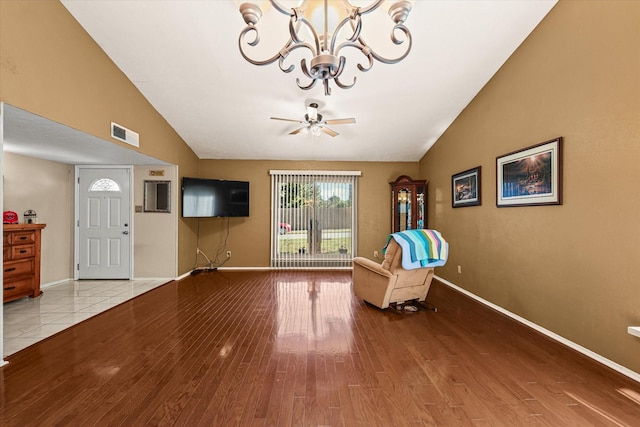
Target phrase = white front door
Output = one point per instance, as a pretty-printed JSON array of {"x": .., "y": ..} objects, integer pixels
[{"x": 104, "y": 222}]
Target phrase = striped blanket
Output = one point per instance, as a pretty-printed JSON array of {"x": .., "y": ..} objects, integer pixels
[{"x": 421, "y": 248}]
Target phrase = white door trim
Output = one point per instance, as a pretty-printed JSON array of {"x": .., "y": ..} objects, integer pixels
[{"x": 76, "y": 219}]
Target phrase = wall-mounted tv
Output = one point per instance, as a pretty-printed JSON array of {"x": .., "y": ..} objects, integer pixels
[{"x": 206, "y": 198}]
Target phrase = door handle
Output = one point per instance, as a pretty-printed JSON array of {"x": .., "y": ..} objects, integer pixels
[{"x": 125, "y": 232}]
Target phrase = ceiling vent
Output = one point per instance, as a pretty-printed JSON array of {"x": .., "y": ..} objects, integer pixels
[{"x": 123, "y": 134}]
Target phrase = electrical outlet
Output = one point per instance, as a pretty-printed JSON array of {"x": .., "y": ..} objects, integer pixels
[
  {"x": 375, "y": 254},
  {"x": 228, "y": 254},
  {"x": 459, "y": 269}
]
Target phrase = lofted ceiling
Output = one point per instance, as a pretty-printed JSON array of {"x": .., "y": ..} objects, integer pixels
[{"x": 184, "y": 58}]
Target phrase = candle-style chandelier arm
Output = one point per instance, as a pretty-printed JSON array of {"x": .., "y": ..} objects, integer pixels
[
  {"x": 356, "y": 26},
  {"x": 365, "y": 50},
  {"x": 369, "y": 52},
  {"x": 343, "y": 85},
  {"x": 354, "y": 41},
  {"x": 290, "y": 47},
  {"x": 287, "y": 10},
  {"x": 296, "y": 22},
  {"x": 364, "y": 9},
  {"x": 241, "y": 42},
  {"x": 307, "y": 87},
  {"x": 293, "y": 43}
]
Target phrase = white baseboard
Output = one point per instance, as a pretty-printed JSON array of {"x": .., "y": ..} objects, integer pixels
[
  {"x": 265, "y": 269},
  {"x": 183, "y": 276},
  {"x": 57, "y": 282},
  {"x": 593, "y": 355}
]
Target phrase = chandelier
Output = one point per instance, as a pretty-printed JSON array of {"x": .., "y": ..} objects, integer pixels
[{"x": 326, "y": 62}]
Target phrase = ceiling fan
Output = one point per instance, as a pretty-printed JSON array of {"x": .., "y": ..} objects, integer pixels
[{"x": 314, "y": 123}]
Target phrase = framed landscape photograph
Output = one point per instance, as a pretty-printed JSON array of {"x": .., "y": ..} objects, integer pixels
[
  {"x": 465, "y": 187},
  {"x": 531, "y": 176}
]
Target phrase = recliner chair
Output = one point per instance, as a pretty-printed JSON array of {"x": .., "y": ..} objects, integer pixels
[{"x": 388, "y": 283}]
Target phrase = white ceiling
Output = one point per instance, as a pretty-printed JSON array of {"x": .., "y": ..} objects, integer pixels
[{"x": 183, "y": 56}]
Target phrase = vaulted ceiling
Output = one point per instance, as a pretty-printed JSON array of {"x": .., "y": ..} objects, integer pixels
[{"x": 184, "y": 58}]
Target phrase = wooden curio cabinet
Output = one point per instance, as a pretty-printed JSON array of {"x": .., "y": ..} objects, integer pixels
[{"x": 408, "y": 204}]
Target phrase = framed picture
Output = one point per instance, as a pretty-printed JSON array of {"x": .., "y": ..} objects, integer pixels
[
  {"x": 465, "y": 187},
  {"x": 531, "y": 176}
]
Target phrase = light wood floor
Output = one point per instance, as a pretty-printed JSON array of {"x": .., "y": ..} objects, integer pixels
[{"x": 296, "y": 348}]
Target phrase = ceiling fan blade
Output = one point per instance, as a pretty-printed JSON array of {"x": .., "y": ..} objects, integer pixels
[
  {"x": 340, "y": 121},
  {"x": 287, "y": 120},
  {"x": 297, "y": 131},
  {"x": 329, "y": 132}
]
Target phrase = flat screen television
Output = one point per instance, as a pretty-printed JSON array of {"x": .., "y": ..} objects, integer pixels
[{"x": 206, "y": 198}]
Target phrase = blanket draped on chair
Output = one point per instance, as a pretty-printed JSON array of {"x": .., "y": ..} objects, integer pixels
[{"x": 421, "y": 248}]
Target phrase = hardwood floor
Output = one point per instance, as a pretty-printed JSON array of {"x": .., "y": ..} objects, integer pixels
[{"x": 297, "y": 348}]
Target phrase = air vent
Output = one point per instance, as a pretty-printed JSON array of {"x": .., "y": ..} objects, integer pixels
[{"x": 123, "y": 134}]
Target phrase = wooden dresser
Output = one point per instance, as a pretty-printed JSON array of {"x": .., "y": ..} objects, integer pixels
[{"x": 21, "y": 261}]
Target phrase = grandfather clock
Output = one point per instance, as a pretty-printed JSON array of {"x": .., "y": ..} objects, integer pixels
[{"x": 408, "y": 204}]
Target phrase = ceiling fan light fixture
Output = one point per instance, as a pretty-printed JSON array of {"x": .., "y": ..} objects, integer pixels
[
  {"x": 312, "y": 112},
  {"x": 323, "y": 46},
  {"x": 318, "y": 125}
]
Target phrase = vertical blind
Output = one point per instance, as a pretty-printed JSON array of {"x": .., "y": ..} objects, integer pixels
[{"x": 313, "y": 218}]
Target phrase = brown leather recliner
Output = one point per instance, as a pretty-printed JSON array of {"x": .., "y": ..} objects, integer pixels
[{"x": 389, "y": 283}]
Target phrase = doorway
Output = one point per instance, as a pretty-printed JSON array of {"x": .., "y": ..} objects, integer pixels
[{"x": 103, "y": 222}]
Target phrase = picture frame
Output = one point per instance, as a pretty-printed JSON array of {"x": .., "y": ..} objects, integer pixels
[
  {"x": 531, "y": 176},
  {"x": 466, "y": 188}
]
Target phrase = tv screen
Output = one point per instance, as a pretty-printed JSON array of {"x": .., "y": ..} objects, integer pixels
[{"x": 205, "y": 198}]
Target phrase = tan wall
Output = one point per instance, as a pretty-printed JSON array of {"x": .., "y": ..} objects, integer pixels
[
  {"x": 51, "y": 67},
  {"x": 570, "y": 268},
  {"x": 47, "y": 188},
  {"x": 249, "y": 238},
  {"x": 155, "y": 233}
]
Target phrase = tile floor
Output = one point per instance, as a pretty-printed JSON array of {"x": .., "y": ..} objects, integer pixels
[{"x": 29, "y": 320}]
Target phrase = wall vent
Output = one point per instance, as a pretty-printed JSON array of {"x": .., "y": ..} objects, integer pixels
[{"x": 123, "y": 134}]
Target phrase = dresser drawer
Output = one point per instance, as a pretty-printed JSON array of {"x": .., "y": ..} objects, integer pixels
[
  {"x": 21, "y": 255},
  {"x": 22, "y": 251},
  {"x": 18, "y": 268},
  {"x": 22, "y": 237},
  {"x": 19, "y": 287}
]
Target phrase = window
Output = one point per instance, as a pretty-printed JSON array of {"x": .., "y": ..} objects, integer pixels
[
  {"x": 104, "y": 184},
  {"x": 313, "y": 219}
]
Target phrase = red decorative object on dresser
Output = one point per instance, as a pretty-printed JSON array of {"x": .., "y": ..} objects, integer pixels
[{"x": 21, "y": 261}]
